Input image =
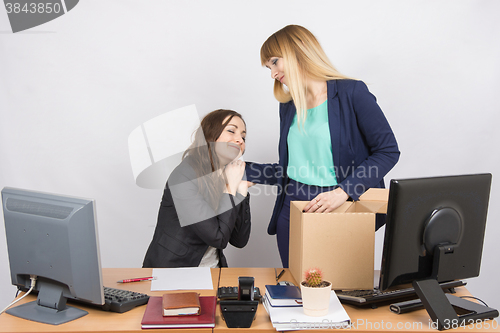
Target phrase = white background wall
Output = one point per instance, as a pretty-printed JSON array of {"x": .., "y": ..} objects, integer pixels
[{"x": 72, "y": 90}]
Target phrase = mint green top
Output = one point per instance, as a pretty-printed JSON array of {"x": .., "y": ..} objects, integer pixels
[{"x": 310, "y": 159}]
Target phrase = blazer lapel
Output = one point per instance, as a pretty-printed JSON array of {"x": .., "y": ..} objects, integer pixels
[
  {"x": 334, "y": 121},
  {"x": 288, "y": 115}
]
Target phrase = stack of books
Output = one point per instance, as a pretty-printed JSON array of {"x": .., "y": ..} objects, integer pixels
[
  {"x": 287, "y": 314},
  {"x": 180, "y": 310},
  {"x": 283, "y": 295}
]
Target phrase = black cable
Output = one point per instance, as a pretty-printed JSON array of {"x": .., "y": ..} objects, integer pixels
[{"x": 477, "y": 299}]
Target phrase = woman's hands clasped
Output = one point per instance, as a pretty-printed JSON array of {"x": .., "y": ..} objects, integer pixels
[
  {"x": 327, "y": 201},
  {"x": 234, "y": 176}
]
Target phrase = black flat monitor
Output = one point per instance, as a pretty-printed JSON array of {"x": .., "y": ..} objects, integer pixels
[
  {"x": 434, "y": 233},
  {"x": 52, "y": 237}
]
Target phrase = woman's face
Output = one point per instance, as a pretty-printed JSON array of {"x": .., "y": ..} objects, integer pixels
[
  {"x": 277, "y": 68},
  {"x": 231, "y": 143}
]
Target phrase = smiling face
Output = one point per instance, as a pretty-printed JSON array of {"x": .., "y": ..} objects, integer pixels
[
  {"x": 277, "y": 68},
  {"x": 230, "y": 144}
]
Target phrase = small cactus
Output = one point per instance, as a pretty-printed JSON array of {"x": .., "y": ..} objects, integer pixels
[{"x": 313, "y": 277}]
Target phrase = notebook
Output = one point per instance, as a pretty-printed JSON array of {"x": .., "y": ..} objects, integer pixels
[
  {"x": 153, "y": 316},
  {"x": 283, "y": 295},
  {"x": 178, "y": 304}
]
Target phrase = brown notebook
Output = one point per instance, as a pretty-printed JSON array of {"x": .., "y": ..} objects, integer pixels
[
  {"x": 181, "y": 304},
  {"x": 153, "y": 315}
]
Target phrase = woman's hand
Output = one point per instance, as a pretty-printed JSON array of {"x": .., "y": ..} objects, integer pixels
[
  {"x": 243, "y": 187},
  {"x": 327, "y": 201},
  {"x": 234, "y": 175}
]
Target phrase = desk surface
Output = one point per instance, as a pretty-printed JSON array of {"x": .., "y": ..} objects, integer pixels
[
  {"x": 104, "y": 321},
  {"x": 364, "y": 319},
  {"x": 376, "y": 320}
]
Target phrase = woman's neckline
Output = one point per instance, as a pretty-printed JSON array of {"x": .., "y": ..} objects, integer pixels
[{"x": 317, "y": 106}]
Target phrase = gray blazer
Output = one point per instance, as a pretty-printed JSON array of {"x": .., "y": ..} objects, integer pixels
[{"x": 187, "y": 225}]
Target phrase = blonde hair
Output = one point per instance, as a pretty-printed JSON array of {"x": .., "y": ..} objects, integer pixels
[{"x": 303, "y": 58}]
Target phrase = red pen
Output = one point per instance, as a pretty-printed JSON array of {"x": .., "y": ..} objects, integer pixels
[{"x": 138, "y": 279}]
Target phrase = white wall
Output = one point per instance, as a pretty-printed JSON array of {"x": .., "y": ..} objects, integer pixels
[{"x": 73, "y": 89}]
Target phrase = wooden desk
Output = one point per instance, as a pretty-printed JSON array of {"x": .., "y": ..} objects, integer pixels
[
  {"x": 104, "y": 321},
  {"x": 364, "y": 319}
]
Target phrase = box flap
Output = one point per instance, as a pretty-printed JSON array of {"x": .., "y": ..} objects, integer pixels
[
  {"x": 375, "y": 194},
  {"x": 344, "y": 208},
  {"x": 379, "y": 207},
  {"x": 299, "y": 204}
]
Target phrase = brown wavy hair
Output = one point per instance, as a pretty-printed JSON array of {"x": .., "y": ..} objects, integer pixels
[{"x": 203, "y": 157}]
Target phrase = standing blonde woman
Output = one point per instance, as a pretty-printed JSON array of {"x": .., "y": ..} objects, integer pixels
[{"x": 335, "y": 142}]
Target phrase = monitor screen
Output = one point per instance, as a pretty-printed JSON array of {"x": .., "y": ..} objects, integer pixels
[
  {"x": 52, "y": 237},
  {"x": 426, "y": 212},
  {"x": 434, "y": 233}
]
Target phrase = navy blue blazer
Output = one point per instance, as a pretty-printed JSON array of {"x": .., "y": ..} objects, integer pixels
[{"x": 364, "y": 147}]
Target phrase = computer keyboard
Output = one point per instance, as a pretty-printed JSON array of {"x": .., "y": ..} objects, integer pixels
[
  {"x": 119, "y": 300},
  {"x": 116, "y": 300},
  {"x": 374, "y": 296},
  {"x": 232, "y": 293}
]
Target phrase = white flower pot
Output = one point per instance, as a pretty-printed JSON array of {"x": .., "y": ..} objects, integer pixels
[{"x": 316, "y": 300}]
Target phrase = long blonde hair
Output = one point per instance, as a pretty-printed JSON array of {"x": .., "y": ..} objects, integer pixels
[{"x": 303, "y": 58}]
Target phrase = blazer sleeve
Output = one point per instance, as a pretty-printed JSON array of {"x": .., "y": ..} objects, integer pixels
[
  {"x": 263, "y": 173},
  {"x": 241, "y": 232},
  {"x": 383, "y": 152}
]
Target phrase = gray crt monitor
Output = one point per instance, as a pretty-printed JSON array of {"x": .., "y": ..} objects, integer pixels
[{"x": 55, "y": 238}]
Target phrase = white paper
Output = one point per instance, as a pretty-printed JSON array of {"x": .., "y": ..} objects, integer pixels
[
  {"x": 293, "y": 318},
  {"x": 185, "y": 278}
]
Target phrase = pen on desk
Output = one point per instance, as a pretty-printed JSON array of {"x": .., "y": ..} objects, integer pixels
[
  {"x": 280, "y": 274},
  {"x": 149, "y": 278}
]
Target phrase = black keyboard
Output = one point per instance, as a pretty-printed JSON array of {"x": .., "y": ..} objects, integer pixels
[
  {"x": 232, "y": 293},
  {"x": 116, "y": 300},
  {"x": 374, "y": 296},
  {"x": 119, "y": 300}
]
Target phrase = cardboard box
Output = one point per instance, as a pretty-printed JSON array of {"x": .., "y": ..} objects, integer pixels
[{"x": 340, "y": 243}]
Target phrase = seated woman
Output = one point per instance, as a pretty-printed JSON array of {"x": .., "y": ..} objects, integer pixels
[{"x": 205, "y": 203}]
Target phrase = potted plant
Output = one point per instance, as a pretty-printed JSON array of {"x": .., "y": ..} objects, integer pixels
[{"x": 315, "y": 293}]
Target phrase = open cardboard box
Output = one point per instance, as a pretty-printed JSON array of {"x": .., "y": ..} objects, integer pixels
[{"x": 340, "y": 243}]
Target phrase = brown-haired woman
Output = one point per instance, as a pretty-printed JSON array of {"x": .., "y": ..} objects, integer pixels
[{"x": 205, "y": 203}]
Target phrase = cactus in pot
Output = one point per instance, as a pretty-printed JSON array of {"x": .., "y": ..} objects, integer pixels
[
  {"x": 313, "y": 277},
  {"x": 315, "y": 293}
]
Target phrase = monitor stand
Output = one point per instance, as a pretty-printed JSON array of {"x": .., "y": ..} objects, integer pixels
[
  {"x": 449, "y": 311},
  {"x": 49, "y": 308}
]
